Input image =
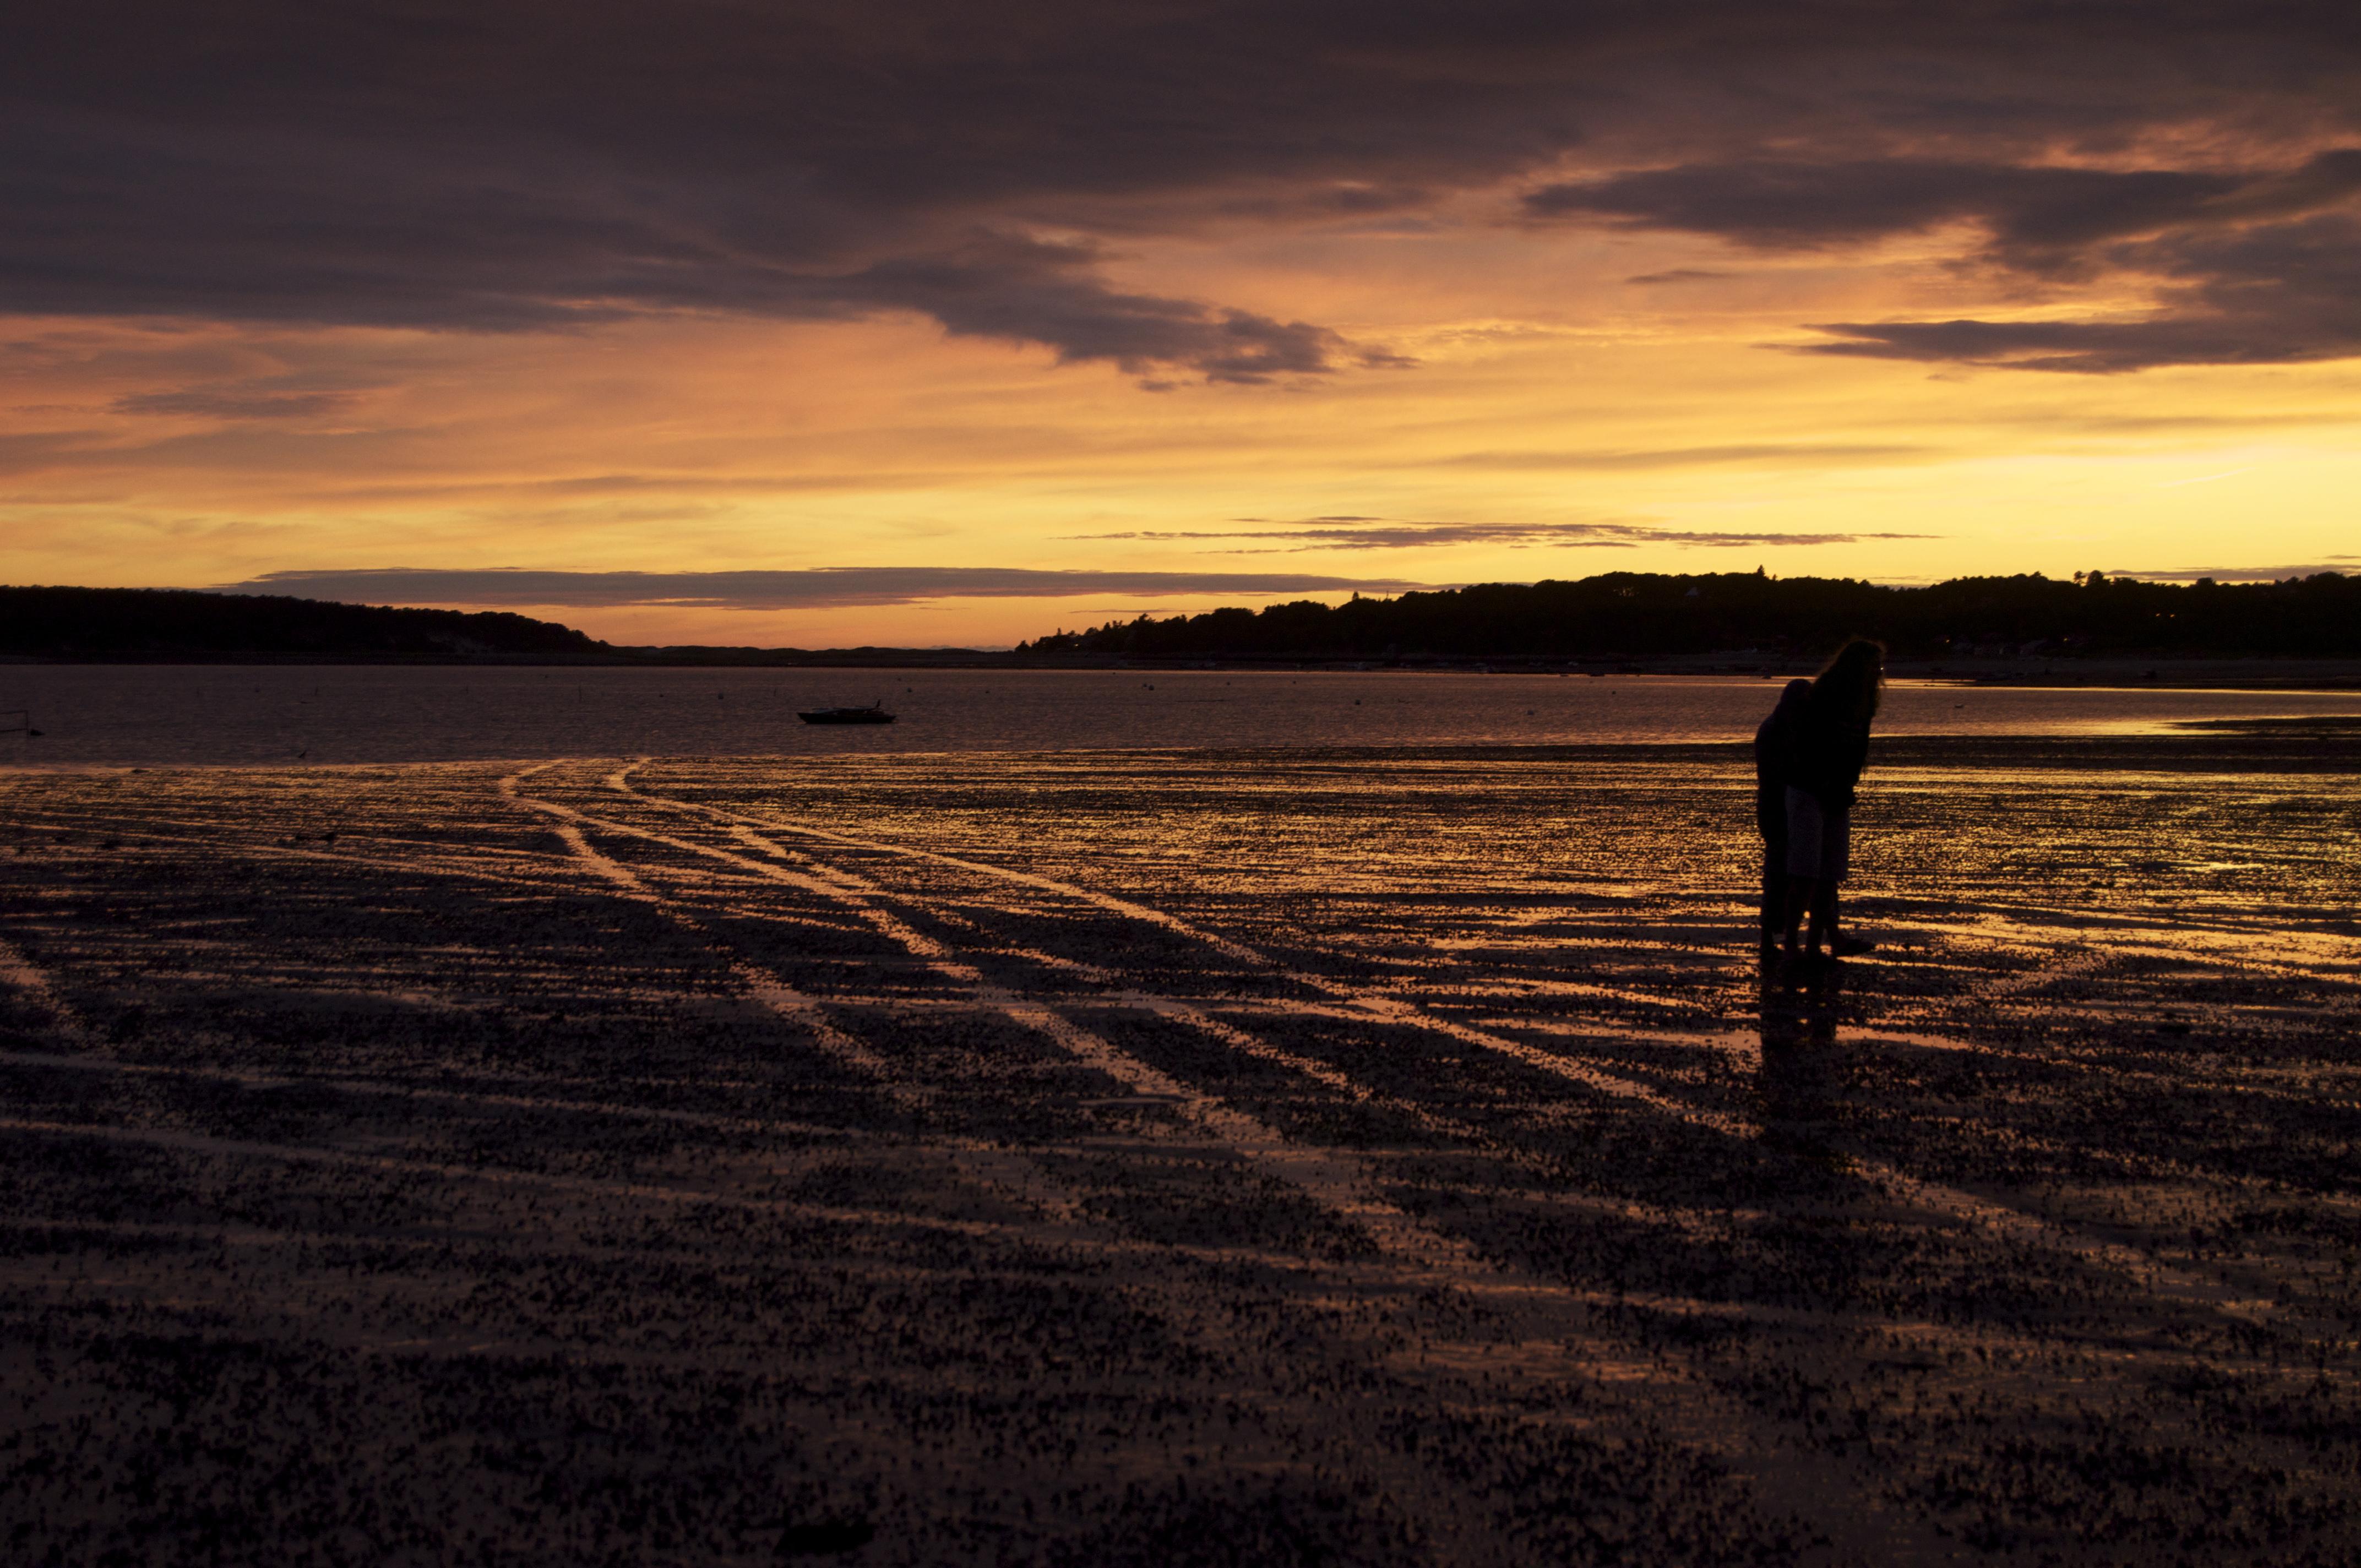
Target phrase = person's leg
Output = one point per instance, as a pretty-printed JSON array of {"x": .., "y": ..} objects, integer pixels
[
  {"x": 1835, "y": 835},
  {"x": 1824, "y": 912},
  {"x": 1806, "y": 822},
  {"x": 1771, "y": 821},
  {"x": 1835, "y": 865},
  {"x": 1802, "y": 892}
]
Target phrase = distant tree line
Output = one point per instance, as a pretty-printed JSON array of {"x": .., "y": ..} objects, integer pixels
[
  {"x": 1642, "y": 613},
  {"x": 169, "y": 623}
]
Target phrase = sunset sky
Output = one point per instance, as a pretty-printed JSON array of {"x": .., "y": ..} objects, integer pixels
[{"x": 956, "y": 324}]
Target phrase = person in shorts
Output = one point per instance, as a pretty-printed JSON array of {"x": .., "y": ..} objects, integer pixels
[{"x": 1831, "y": 747}]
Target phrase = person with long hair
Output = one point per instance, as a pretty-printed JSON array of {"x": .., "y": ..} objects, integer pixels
[{"x": 1829, "y": 748}]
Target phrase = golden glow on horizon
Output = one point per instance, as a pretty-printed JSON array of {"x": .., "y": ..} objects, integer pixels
[{"x": 1548, "y": 390}]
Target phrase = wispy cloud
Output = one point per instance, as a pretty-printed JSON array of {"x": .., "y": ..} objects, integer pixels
[
  {"x": 236, "y": 403},
  {"x": 2233, "y": 573},
  {"x": 1346, "y": 532},
  {"x": 813, "y": 589},
  {"x": 1766, "y": 453}
]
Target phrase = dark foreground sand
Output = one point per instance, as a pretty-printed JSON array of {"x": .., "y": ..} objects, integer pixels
[{"x": 1316, "y": 1159}]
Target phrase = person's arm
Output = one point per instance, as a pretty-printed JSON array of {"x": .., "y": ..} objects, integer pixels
[
  {"x": 1774, "y": 747},
  {"x": 1856, "y": 759}
]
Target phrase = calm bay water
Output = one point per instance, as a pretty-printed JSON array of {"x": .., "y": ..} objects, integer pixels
[{"x": 165, "y": 715}]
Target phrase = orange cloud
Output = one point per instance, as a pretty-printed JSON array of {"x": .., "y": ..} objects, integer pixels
[{"x": 309, "y": 290}]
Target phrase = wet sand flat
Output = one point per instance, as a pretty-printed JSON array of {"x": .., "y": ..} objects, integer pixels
[{"x": 1340, "y": 1157}]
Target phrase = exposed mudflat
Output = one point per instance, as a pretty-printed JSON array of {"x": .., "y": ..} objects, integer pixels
[{"x": 1341, "y": 1157}]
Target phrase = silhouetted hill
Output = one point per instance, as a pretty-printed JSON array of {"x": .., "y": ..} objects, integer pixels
[
  {"x": 1619, "y": 615},
  {"x": 168, "y": 624},
  {"x": 1634, "y": 614}
]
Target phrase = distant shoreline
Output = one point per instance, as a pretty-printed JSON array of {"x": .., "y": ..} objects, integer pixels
[
  {"x": 2252, "y": 674},
  {"x": 614, "y": 658},
  {"x": 2303, "y": 633}
]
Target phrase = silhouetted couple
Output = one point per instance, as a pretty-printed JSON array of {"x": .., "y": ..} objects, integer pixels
[{"x": 1807, "y": 760}]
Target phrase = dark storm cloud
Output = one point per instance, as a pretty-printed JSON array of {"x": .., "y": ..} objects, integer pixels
[
  {"x": 2278, "y": 294},
  {"x": 1381, "y": 533},
  {"x": 2036, "y": 217},
  {"x": 1025, "y": 292},
  {"x": 505, "y": 166},
  {"x": 511, "y": 164},
  {"x": 2256, "y": 267},
  {"x": 817, "y": 589}
]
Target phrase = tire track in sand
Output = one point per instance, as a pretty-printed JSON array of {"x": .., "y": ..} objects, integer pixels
[
  {"x": 1995, "y": 1217},
  {"x": 34, "y": 986},
  {"x": 1823, "y": 1490},
  {"x": 788, "y": 1004}
]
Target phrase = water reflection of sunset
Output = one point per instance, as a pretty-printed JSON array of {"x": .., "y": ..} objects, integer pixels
[{"x": 1186, "y": 1089}]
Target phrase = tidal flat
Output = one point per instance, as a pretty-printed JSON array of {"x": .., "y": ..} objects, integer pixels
[{"x": 1343, "y": 1156}]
